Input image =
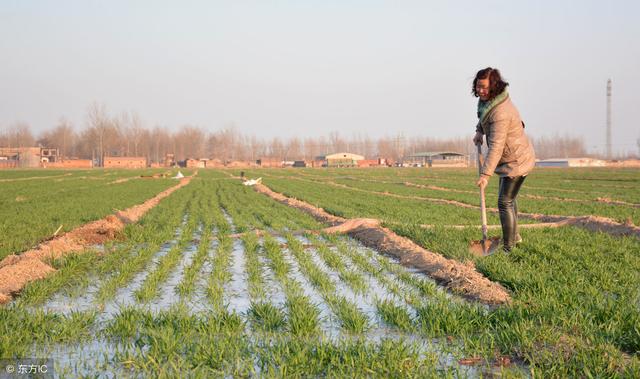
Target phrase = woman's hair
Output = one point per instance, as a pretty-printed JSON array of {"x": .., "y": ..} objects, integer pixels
[{"x": 496, "y": 83}]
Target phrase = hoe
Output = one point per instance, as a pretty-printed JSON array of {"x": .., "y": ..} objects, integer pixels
[{"x": 487, "y": 245}]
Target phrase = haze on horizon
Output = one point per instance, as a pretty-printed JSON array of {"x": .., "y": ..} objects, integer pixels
[{"x": 291, "y": 68}]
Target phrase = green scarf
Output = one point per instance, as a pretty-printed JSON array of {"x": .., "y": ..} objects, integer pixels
[{"x": 484, "y": 107}]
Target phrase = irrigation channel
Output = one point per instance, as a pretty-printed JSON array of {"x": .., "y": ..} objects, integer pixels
[{"x": 220, "y": 280}]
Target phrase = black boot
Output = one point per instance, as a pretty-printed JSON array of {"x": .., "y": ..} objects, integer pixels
[{"x": 507, "y": 207}]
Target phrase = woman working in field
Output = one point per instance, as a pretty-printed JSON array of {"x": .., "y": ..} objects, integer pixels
[{"x": 510, "y": 155}]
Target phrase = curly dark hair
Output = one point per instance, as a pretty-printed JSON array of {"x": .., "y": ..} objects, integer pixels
[{"x": 496, "y": 83}]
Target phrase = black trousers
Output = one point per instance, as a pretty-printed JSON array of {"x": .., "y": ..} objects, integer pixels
[{"x": 508, "y": 207}]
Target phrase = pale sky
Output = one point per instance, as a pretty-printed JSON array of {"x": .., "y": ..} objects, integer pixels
[{"x": 306, "y": 68}]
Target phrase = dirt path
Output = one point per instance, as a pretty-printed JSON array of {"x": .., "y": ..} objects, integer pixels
[
  {"x": 461, "y": 278},
  {"x": 34, "y": 178},
  {"x": 18, "y": 270}
]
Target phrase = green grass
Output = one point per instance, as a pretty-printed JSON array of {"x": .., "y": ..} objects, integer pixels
[
  {"x": 31, "y": 211},
  {"x": 575, "y": 293},
  {"x": 266, "y": 316},
  {"x": 20, "y": 329}
]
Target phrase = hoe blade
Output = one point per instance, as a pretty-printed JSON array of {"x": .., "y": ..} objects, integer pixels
[{"x": 484, "y": 247}]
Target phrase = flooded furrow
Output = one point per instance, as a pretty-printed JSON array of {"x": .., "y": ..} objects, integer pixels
[{"x": 237, "y": 291}]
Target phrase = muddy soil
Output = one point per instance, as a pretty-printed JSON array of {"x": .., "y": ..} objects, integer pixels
[{"x": 18, "y": 270}]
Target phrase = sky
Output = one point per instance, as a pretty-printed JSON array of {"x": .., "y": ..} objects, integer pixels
[{"x": 308, "y": 68}]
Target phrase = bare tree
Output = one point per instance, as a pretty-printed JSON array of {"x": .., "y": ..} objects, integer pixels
[
  {"x": 19, "y": 135},
  {"x": 336, "y": 142},
  {"x": 99, "y": 126},
  {"x": 134, "y": 133},
  {"x": 558, "y": 146},
  {"x": 276, "y": 149},
  {"x": 62, "y": 137},
  {"x": 159, "y": 144},
  {"x": 293, "y": 149}
]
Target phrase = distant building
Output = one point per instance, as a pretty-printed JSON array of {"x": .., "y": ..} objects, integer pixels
[
  {"x": 125, "y": 162},
  {"x": 369, "y": 163},
  {"x": 69, "y": 163},
  {"x": 341, "y": 159},
  {"x": 570, "y": 162},
  {"x": 437, "y": 159},
  {"x": 269, "y": 162},
  {"x": 194, "y": 163},
  {"x": 299, "y": 164},
  {"x": 169, "y": 160},
  {"x": 215, "y": 163},
  {"x": 27, "y": 157},
  {"x": 240, "y": 164}
]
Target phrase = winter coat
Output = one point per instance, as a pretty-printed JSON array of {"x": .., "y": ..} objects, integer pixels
[{"x": 510, "y": 151}]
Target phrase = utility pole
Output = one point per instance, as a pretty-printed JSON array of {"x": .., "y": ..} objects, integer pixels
[{"x": 609, "y": 119}]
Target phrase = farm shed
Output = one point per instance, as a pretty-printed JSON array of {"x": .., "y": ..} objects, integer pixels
[
  {"x": 125, "y": 162},
  {"x": 570, "y": 162},
  {"x": 341, "y": 159},
  {"x": 438, "y": 159}
]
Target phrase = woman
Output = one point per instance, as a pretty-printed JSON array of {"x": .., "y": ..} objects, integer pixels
[{"x": 510, "y": 153}]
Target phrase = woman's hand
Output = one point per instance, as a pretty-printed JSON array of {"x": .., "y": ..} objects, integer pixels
[
  {"x": 477, "y": 139},
  {"x": 482, "y": 181}
]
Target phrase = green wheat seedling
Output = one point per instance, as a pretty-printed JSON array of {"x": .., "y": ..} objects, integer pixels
[
  {"x": 77, "y": 270},
  {"x": 167, "y": 263},
  {"x": 220, "y": 274},
  {"x": 285, "y": 357},
  {"x": 349, "y": 316},
  {"x": 266, "y": 316},
  {"x": 303, "y": 316},
  {"x": 145, "y": 240},
  {"x": 71, "y": 275},
  {"x": 263, "y": 213},
  {"x": 136, "y": 263},
  {"x": 316, "y": 277},
  {"x": 213, "y": 340},
  {"x": 186, "y": 286},
  {"x": 69, "y": 203},
  {"x": 277, "y": 263},
  {"x": 376, "y": 272},
  {"x": 255, "y": 277},
  {"x": 395, "y": 315},
  {"x": 354, "y": 279},
  {"x": 21, "y": 329}
]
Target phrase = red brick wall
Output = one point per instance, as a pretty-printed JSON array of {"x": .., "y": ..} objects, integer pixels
[
  {"x": 125, "y": 162},
  {"x": 69, "y": 163}
]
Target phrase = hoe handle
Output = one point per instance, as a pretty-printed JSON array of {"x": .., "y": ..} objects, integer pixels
[{"x": 483, "y": 205}]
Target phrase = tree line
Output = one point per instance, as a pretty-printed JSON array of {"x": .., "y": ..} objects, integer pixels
[{"x": 126, "y": 134}]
